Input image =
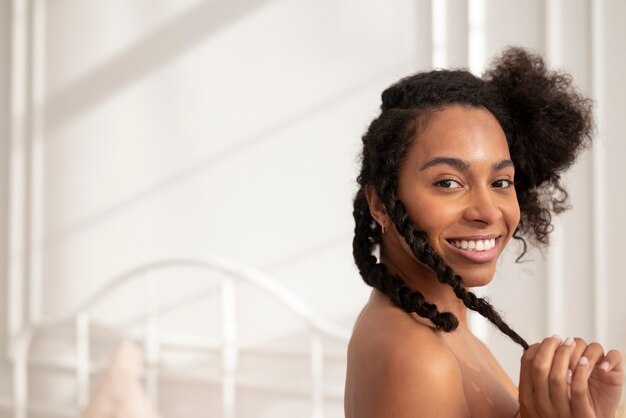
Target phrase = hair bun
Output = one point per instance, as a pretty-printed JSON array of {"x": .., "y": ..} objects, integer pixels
[{"x": 548, "y": 120}]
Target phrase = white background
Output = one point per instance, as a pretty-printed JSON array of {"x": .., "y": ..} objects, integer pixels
[{"x": 136, "y": 130}]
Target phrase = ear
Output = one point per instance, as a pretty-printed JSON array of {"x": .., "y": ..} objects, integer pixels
[{"x": 377, "y": 209}]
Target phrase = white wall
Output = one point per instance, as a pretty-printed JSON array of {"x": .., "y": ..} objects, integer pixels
[
  {"x": 614, "y": 135},
  {"x": 194, "y": 128},
  {"x": 233, "y": 128},
  {"x": 167, "y": 136},
  {"x": 5, "y": 25}
]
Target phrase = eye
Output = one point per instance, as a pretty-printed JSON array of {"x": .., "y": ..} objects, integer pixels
[
  {"x": 448, "y": 184},
  {"x": 502, "y": 183}
]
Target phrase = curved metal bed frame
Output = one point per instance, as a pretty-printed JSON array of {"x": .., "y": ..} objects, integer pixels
[{"x": 232, "y": 272}]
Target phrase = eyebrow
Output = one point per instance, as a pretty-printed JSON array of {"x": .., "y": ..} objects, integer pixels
[{"x": 461, "y": 164}]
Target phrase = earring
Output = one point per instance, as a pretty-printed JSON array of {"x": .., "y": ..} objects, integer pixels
[{"x": 384, "y": 228}]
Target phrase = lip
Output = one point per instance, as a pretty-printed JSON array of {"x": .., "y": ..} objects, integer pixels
[{"x": 484, "y": 256}]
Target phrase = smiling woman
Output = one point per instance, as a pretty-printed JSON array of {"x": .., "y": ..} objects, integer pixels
[{"x": 453, "y": 168}]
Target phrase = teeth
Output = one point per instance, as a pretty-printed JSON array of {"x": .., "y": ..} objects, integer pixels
[{"x": 475, "y": 245}]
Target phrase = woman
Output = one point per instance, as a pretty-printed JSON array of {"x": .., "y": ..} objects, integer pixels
[{"x": 452, "y": 169}]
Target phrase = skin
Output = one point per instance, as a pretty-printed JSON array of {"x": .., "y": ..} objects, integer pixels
[{"x": 457, "y": 182}]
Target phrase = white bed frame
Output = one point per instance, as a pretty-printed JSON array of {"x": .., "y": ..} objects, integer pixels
[{"x": 231, "y": 272}]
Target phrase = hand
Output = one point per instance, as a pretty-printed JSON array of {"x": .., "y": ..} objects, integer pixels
[
  {"x": 569, "y": 379},
  {"x": 604, "y": 386}
]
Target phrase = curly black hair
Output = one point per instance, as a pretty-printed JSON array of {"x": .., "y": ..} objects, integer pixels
[{"x": 546, "y": 123}]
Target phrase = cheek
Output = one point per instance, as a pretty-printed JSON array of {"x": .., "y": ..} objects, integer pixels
[
  {"x": 512, "y": 216},
  {"x": 432, "y": 217}
]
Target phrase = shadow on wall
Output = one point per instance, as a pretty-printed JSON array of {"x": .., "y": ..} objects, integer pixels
[
  {"x": 201, "y": 164},
  {"x": 171, "y": 40}
]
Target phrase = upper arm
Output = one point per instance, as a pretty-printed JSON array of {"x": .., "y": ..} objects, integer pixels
[{"x": 413, "y": 380}]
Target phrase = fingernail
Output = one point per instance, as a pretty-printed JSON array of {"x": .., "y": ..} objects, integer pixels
[
  {"x": 583, "y": 360},
  {"x": 569, "y": 341},
  {"x": 557, "y": 337},
  {"x": 604, "y": 366},
  {"x": 568, "y": 377}
]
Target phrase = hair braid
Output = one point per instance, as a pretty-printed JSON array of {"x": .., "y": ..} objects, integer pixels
[
  {"x": 418, "y": 242},
  {"x": 367, "y": 234}
]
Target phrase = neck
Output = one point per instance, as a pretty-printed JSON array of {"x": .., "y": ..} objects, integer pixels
[{"x": 421, "y": 278}]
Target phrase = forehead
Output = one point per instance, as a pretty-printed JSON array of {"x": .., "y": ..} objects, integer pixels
[{"x": 469, "y": 133}]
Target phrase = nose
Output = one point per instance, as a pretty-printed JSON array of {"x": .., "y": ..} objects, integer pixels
[{"x": 482, "y": 208}]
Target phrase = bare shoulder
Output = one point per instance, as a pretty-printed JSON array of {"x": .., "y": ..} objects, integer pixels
[{"x": 400, "y": 367}]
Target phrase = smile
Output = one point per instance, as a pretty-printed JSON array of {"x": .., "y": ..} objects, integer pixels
[
  {"x": 476, "y": 250},
  {"x": 475, "y": 245}
]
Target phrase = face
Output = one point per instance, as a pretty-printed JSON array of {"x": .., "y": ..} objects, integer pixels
[{"x": 457, "y": 185}]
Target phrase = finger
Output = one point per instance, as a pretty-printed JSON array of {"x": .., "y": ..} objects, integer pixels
[
  {"x": 579, "y": 349},
  {"x": 526, "y": 390},
  {"x": 540, "y": 369},
  {"x": 580, "y": 389},
  {"x": 610, "y": 368},
  {"x": 612, "y": 362},
  {"x": 594, "y": 353},
  {"x": 558, "y": 380}
]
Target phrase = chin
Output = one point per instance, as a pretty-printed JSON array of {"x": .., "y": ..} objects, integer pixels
[{"x": 476, "y": 276}]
